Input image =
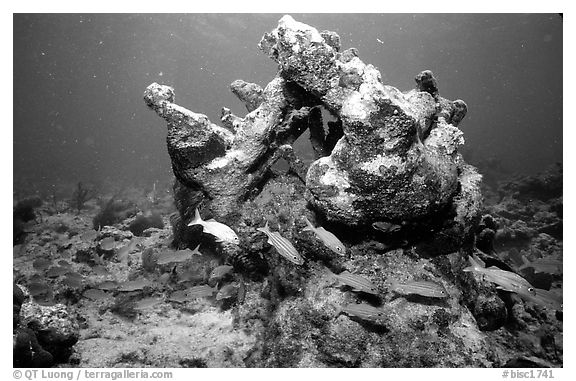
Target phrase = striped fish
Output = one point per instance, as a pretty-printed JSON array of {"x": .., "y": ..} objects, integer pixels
[
  {"x": 328, "y": 238},
  {"x": 201, "y": 291},
  {"x": 543, "y": 265},
  {"x": 122, "y": 254},
  {"x": 363, "y": 311},
  {"x": 219, "y": 272},
  {"x": 177, "y": 256},
  {"x": 422, "y": 288},
  {"x": 282, "y": 245},
  {"x": 357, "y": 282},
  {"x": 506, "y": 280},
  {"x": 228, "y": 291},
  {"x": 545, "y": 298}
]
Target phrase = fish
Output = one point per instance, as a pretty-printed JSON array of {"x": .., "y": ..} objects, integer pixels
[
  {"x": 95, "y": 294},
  {"x": 419, "y": 287},
  {"x": 177, "y": 256},
  {"x": 505, "y": 280},
  {"x": 73, "y": 280},
  {"x": 108, "y": 244},
  {"x": 545, "y": 298},
  {"x": 127, "y": 249},
  {"x": 133, "y": 285},
  {"x": 190, "y": 275},
  {"x": 145, "y": 303},
  {"x": 108, "y": 285},
  {"x": 165, "y": 278},
  {"x": 64, "y": 263},
  {"x": 542, "y": 265},
  {"x": 328, "y": 238},
  {"x": 357, "y": 282},
  {"x": 386, "y": 227},
  {"x": 38, "y": 288},
  {"x": 178, "y": 296},
  {"x": 56, "y": 271},
  {"x": 222, "y": 232},
  {"x": 100, "y": 270},
  {"x": 241, "y": 292},
  {"x": 363, "y": 311},
  {"x": 228, "y": 291},
  {"x": 41, "y": 264},
  {"x": 282, "y": 245},
  {"x": 220, "y": 272},
  {"x": 89, "y": 235},
  {"x": 201, "y": 291}
]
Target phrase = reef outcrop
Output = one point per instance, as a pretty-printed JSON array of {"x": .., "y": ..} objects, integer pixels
[
  {"x": 42, "y": 335},
  {"x": 398, "y": 158},
  {"x": 389, "y": 156}
]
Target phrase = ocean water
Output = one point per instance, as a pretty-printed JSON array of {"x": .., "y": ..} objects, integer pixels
[{"x": 79, "y": 79}]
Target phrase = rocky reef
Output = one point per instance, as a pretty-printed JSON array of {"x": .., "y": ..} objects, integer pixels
[
  {"x": 388, "y": 159},
  {"x": 389, "y": 156},
  {"x": 357, "y": 259}
]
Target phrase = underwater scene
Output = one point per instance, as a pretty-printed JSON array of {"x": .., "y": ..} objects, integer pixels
[{"x": 287, "y": 191}]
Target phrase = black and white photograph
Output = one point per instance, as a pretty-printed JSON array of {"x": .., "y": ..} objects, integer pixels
[{"x": 286, "y": 190}]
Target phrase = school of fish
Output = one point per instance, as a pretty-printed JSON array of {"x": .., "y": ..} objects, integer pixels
[{"x": 505, "y": 280}]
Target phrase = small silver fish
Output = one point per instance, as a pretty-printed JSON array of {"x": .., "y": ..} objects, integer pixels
[
  {"x": 179, "y": 296},
  {"x": 219, "y": 272},
  {"x": 145, "y": 303},
  {"x": 363, "y": 311},
  {"x": 64, "y": 263},
  {"x": 505, "y": 280},
  {"x": 123, "y": 252},
  {"x": 41, "y": 264},
  {"x": 108, "y": 244},
  {"x": 38, "y": 288},
  {"x": 100, "y": 270},
  {"x": 164, "y": 278},
  {"x": 228, "y": 291},
  {"x": 219, "y": 230},
  {"x": 357, "y": 282},
  {"x": 201, "y": 291},
  {"x": 134, "y": 285},
  {"x": 57, "y": 271},
  {"x": 543, "y": 265},
  {"x": 282, "y": 245},
  {"x": 73, "y": 280},
  {"x": 177, "y": 256},
  {"x": 89, "y": 235},
  {"x": 386, "y": 227},
  {"x": 545, "y": 298},
  {"x": 328, "y": 238},
  {"x": 422, "y": 288},
  {"x": 95, "y": 294},
  {"x": 108, "y": 285}
]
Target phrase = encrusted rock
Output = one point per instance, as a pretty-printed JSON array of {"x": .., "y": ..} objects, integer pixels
[
  {"x": 55, "y": 329},
  {"x": 249, "y": 93},
  {"x": 380, "y": 169}
]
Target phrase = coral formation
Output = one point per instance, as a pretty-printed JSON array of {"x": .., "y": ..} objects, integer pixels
[
  {"x": 390, "y": 156},
  {"x": 81, "y": 195},
  {"x": 362, "y": 263},
  {"x": 398, "y": 157},
  {"x": 43, "y": 335}
]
